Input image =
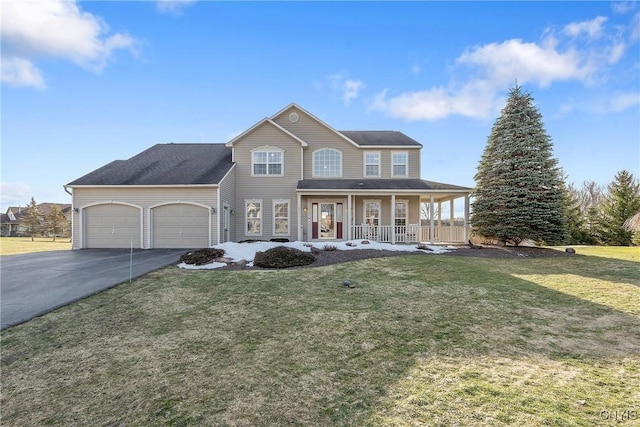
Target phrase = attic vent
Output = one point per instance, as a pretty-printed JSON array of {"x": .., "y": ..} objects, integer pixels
[{"x": 294, "y": 117}]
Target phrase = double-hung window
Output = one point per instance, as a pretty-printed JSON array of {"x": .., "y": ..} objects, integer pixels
[
  {"x": 327, "y": 163},
  {"x": 399, "y": 164},
  {"x": 253, "y": 212},
  {"x": 267, "y": 162},
  {"x": 281, "y": 214},
  {"x": 401, "y": 213},
  {"x": 372, "y": 212},
  {"x": 372, "y": 164}
]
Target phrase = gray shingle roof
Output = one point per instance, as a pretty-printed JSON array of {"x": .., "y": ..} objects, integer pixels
[
  {"x": 380, "y": 138},
  {"x": 165, "y": 164},
  {"x": 376, "y": 184}
]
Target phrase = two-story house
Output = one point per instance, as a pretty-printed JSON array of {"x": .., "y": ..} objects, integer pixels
[{"x": 290, "y": 176}]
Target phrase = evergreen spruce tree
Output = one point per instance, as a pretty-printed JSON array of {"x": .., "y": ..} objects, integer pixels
[
  {"x": 622, "y": 202},
  {"x": 519, "y": 190},
  {"x": 30, "y": 220}
]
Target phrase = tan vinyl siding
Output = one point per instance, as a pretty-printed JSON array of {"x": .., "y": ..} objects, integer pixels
[
  {"x": 265, "y": 188},
  {"x": 319, "y": 136},
  {"x": 228, "y": 196},
  {"x": 145, "y": 197}
]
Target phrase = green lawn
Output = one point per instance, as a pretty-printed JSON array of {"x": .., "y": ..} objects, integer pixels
[
  {"x": 24, "y": 245},
  {"x": 420, "y": 340}
]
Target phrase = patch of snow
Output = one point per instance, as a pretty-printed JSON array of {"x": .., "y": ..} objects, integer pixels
[
  {"x": 209, "y": 266},
  {"x": 247, "y": 251}
]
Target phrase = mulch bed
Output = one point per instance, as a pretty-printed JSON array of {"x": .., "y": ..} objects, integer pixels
[{"x": 337, "y": 256}]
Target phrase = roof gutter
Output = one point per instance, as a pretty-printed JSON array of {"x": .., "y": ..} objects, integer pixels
[{"x": 66, "y": 190}]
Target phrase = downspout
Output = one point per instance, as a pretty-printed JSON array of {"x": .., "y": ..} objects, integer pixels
[{"x": 73, "y": 211}]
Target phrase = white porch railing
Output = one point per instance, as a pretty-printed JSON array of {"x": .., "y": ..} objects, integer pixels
[
  {"x": 385, "y": 233},
  {"x": 411, "y": 233},
  {"x": 444, "y": 233}
]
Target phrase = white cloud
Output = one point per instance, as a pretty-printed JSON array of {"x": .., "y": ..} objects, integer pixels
[
  {"x": 416, "y": 69},
  {"x": 56, "y": 29},
  {"x": 623, "y": 101},
  {"x": 348, "y": 89},
  {"x": 482, "y": 73},
  {"x": 20, "y": 72},
  {"x": 623, "y": 7},
  {"x": 174, "y": 7},
  {"x": 616, "y": 52},
  {"x": 495, "y": 67},
  {"x": 351, "y": 90},
  {"x": 593, "y": 28},
  {"x": 528, "y": 62},
  {"x": 472, "y": 100}
]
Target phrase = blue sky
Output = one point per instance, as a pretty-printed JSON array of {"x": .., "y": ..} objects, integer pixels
[{"x": 90, "y": 82}]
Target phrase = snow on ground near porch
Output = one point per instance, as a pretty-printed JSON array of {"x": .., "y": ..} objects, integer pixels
[{"x": 247, "y": 251}]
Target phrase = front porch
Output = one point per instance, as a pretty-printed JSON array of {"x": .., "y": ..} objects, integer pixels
[{"x": 386, "y": 215}]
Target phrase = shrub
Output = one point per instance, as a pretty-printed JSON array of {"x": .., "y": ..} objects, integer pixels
[
  {"x": 350, "y": 244},
  {"x": 282, "y": 257},
  {"x": 201, "y": 256},
  {"x": 330, "y": 248},
  {"x": 423, "y": 246}
]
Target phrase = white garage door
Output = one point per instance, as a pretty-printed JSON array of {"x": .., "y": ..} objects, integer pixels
[
  {"x": 180, "y": 226},
  {"x": 112, "y": 226}
]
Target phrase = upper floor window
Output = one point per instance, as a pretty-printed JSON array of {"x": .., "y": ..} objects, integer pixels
[
  {"x": 327, "y": 163},
  {"x": 267, "y": 161},
  {"x": 399, "y": 163},
  {"x": 372, "y": 164}
]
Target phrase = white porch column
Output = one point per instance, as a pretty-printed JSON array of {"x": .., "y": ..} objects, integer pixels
[
  {"x": 300, "y": 233},
  {"x": 439, "y": 214},
  {"x": 349, "y": 218},
  {"x": 420, "y": 219},
  {"x": 451, "y": 219},
  {"x": 393, "y": 219},
  {"x": 467, "y": 225},
  {"x": 432, "y": 230}
]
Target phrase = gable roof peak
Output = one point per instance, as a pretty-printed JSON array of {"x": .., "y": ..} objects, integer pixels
[
  {"x": 322, "y": 123},
  {"x": 265, "y": 121}
]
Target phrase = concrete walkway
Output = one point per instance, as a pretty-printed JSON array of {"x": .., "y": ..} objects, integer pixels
[{"x": 37, "y": 283}]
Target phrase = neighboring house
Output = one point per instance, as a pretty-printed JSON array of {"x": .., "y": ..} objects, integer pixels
[
  {"x": 11, "y": 221},
  {"x": 290, "y": 176}
]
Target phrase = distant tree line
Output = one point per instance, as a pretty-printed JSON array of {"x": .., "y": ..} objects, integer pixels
[{"x": 597, "y": 215}]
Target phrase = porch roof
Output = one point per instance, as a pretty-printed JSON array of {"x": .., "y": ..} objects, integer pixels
[{"x": 346, "y": 185}]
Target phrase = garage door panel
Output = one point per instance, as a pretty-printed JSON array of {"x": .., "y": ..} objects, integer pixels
[
  {"x": 180, "y": 226},
  {"x": 112, "y": 226}
]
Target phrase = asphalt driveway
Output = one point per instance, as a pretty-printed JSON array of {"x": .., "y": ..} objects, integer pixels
[{"x": 37, "y": 283}]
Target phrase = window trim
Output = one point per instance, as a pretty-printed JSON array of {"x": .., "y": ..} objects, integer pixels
[
  {"x": 365, "y": 164},
  {"x": 406, "y": 217},
  {"x": 364, "y": 211},
  {"x": 313, "y": 163},
  {"x": 281, "y": 201},
  {"x": 406, "y": 164},
  {"x": 260, "y": 217},
  {"x": 267, "y": 149}
]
